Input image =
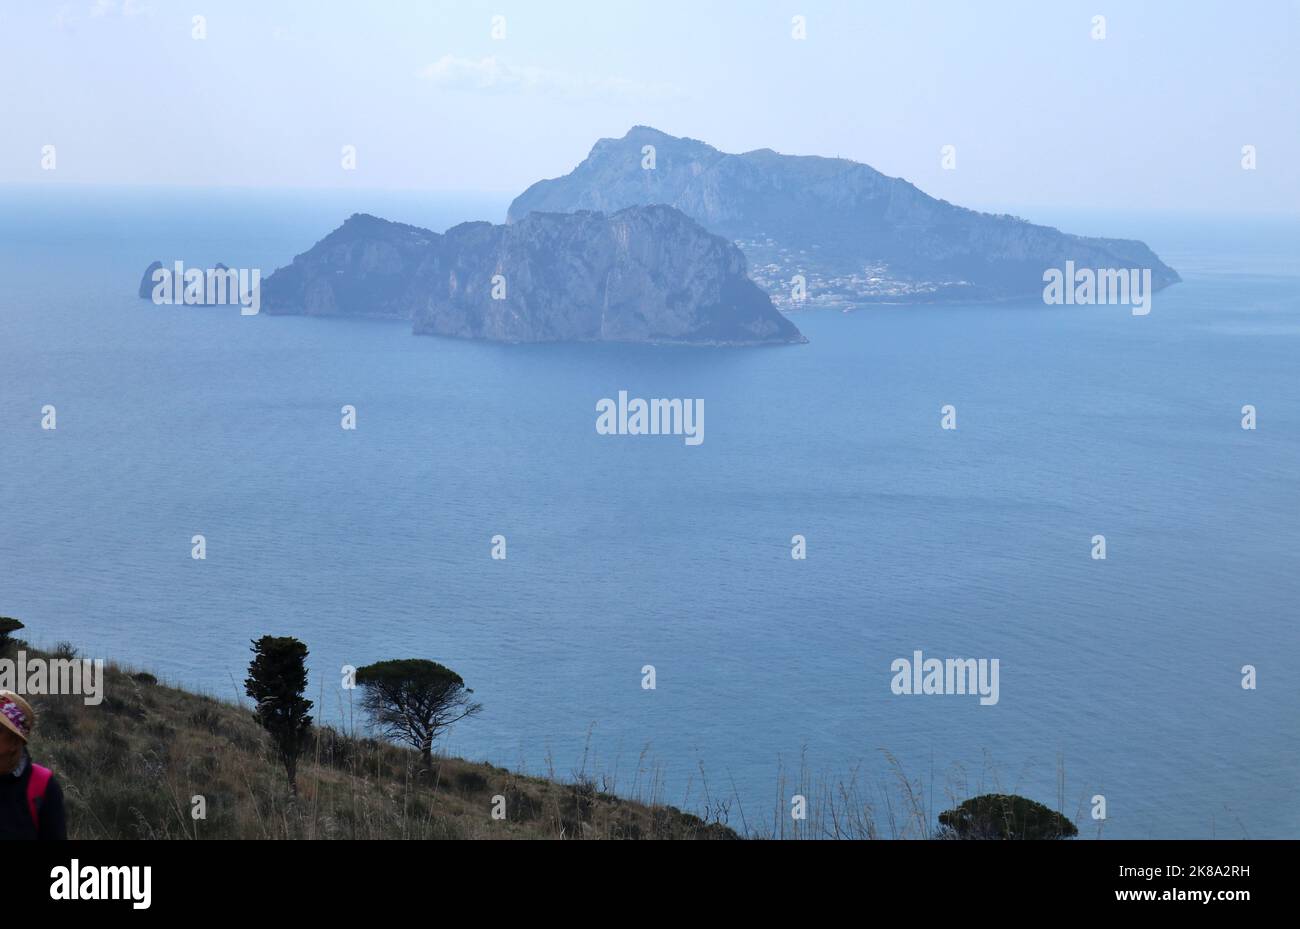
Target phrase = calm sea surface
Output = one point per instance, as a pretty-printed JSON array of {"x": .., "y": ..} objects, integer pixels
[{"x": 1124, "y": 675}]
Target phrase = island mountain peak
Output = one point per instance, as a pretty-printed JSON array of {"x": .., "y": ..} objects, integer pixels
[{"x": 852, "y": 233}]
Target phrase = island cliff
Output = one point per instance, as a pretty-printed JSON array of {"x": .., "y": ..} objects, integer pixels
[{"x": 643, "y": 274}]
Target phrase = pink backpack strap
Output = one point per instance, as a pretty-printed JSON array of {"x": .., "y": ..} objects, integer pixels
[{"x": 36, "y": 785}]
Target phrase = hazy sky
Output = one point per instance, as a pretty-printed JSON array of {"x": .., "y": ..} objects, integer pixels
[{"x": 1153, "y": 116}]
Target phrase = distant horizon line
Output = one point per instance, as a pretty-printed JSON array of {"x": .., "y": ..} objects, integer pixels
[{"x": 1008, "y": 209}]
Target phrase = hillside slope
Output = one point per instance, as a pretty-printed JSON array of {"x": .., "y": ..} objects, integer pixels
[{"x": 132, "y": 766}]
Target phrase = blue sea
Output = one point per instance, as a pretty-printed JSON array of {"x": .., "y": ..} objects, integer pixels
[{"x": 1120, "y": 678}]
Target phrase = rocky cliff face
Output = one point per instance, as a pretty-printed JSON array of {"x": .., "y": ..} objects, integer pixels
[
  {"x": 642, "y": 274},
  {"x": 843, "y": 223},
  {"x": 362, "y": 268}
]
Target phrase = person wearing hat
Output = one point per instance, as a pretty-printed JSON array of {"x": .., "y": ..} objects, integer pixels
[{"x": 31, "y": 801}]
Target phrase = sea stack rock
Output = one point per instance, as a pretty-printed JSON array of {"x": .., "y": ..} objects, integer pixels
[{"x": 146, "y": 282}]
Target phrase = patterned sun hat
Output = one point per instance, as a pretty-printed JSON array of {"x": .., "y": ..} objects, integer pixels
[{"x": 16, "y": 714}]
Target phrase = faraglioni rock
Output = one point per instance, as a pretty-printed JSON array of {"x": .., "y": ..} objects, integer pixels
[
  {"x": 643, "y": 274},
  {"x": 148, "y": 284},
  {"x": 852, "y": 233}
]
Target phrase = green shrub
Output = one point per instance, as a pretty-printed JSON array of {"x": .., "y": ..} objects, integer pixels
[
  {"x": 8, "y": 626},
  {"x": 1005, "y": 816}
]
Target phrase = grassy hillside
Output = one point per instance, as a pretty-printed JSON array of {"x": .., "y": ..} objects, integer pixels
[{"x": 131, "y": 766}]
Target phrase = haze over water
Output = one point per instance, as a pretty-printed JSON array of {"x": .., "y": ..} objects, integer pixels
[{"x": 627, "y": 551}]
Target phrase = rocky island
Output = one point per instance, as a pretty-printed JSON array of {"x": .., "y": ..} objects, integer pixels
[
  {"x": 170, "y": 285},
  {"x": 640, "y": 274},
  {"x": 854, "y": 234}
]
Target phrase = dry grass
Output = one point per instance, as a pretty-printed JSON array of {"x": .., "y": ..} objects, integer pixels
[{"x": 131, "y": 766}]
